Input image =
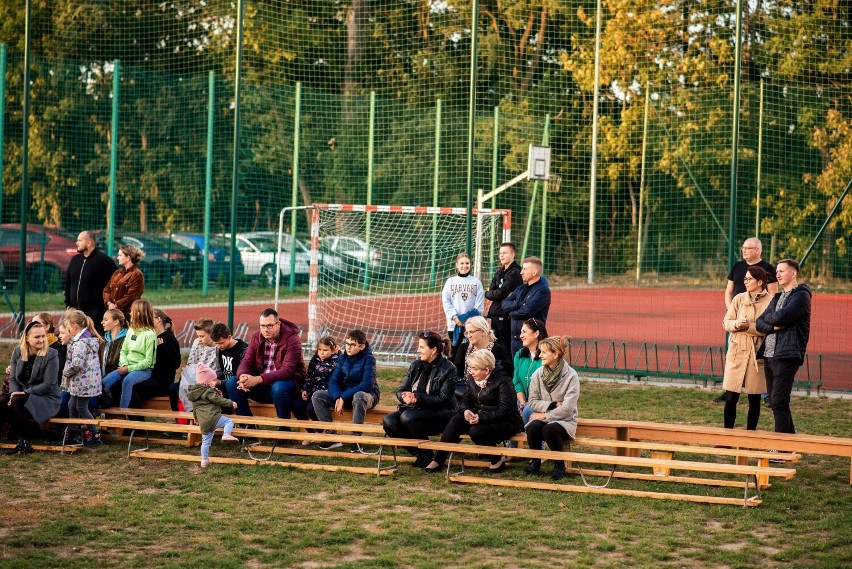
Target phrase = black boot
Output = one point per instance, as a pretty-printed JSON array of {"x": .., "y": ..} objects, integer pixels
[
  {"x": 23, "y": 447},
  {"x": 533, "y": 467},
  {"x": 423, "y": 458},
  {"x": 558, "y": 470}
]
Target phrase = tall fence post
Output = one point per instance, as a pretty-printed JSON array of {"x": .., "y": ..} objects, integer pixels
[
  {"x": 2, "y": 118},
  {"x": 495, "y": 168},
  {"x": 436, "y": 172},
  {"x": 545, "y": 141},
  {"x": 113, "y": 158},
  {"x": 733, "y": 254},
  {"x": 593, "y": 190},
  {"x": 371, "y": 142},
  {"x": 235, "y": 167},
  {"x": 208, "y": 179},
  {"x": 471, "y": 122},
  {"x": 759, "y": 161},
  {"x": 25, "y": 167},
  {"x": 642, "y": 186},
  {"x": 294, "y": 196}
]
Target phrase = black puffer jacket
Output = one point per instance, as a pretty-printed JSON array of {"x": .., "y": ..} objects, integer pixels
[
  {"x": 442, "y": 382},
  {"x": 496, "y": 402},
  {"x": 794, "y": 319}
]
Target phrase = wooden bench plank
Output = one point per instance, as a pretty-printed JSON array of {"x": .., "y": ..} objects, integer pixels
[
  {"x": 229, "y": 460},
  {"x": 54, "y": 448},
  {"x": 751, "y": 502},
  {"x": 692, "y": 449}
]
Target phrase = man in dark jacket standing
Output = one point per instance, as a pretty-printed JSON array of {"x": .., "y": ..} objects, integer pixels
[
  {"x": 530, "y": 300},
  {"x": 787, "y": 325},
  {"x": 272, "y": 370},
  {"x": 506, "y": 279},
  {"x": 88, "y": 273}
]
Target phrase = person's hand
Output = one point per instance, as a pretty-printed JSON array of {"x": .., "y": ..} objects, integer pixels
[
  {"x": 304, "y": 395},
  {"x": 521, "y": 404},
  {"x": 408, "y": 397},
  {"x": 468, "y": 415},
  {"x": 247, "y": 381},
  {"x": 474, "y": 419},
  {"x": 234, "y": 404},
  {"x": 111, "y": 305},
  {"x": 11, "y": 395},
  {"x": 559, "y": 403},
  {"x": 338, "y": 406},
  {"x": 123, "y": 370},
  {"x": 538, "y": 417},
  {"x": 8, "y": 369}
]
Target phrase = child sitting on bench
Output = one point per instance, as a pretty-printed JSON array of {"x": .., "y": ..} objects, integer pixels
[{"x": 207, "y": 406}]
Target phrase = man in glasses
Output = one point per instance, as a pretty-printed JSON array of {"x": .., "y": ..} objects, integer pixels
[
  {"x": 751, "y": 250},
  {"x": 272, "y": 370}
]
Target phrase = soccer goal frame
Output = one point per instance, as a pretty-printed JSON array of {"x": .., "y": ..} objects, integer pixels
[{"x": 397, "y": 343}]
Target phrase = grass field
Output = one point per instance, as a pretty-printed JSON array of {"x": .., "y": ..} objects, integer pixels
[{"x": 98, "y": 509}]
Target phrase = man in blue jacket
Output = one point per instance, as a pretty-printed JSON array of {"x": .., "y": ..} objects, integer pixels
[
  {"x": 352, "y": 385},
  {"x": 787, "y": 325},
  {"x": 530, "y": 300}
]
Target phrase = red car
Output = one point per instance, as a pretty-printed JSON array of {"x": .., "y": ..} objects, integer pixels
[{"x": 48, "y": 255}]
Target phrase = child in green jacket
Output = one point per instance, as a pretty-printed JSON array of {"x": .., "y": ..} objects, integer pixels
[{"x": 207, "y": 406}]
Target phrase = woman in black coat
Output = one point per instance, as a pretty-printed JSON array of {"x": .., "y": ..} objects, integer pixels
[
  {"x": 480, "y": 336},
  {"x": 488, "y": 411},
  {"x": 426, "y": 396}
]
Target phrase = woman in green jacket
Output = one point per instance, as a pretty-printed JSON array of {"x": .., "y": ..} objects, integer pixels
[
  {"x": 527, "y": 360},
  {"x": 136, "y": 360}
]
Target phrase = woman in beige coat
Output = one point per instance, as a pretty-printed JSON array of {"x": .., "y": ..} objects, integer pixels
[{"x": 742, "y": 367}]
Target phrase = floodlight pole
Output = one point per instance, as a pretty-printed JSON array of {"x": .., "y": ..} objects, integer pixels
[
  {"x": 471, "y": 120},
  {"x": 2, "y": 117},
  {"x": 113, "y": 157},
  {"x": 594, "y": 166},
  {"x": 735, "y": 139},
  {"x": 235, "y": 170}
]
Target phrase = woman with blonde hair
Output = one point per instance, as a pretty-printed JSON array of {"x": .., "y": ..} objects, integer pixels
[
  {"x": 462, "y": 297},
  {"x": 136, "y": 360},
  {"x": 33, "y": 386},
  {"x": 554, "y": 390},
  {"x": 127, "y": 283},
  {"x": 488, "y": 411},
  {"x": 480, "y": 336},
  {"x": 81, "y": 377}
]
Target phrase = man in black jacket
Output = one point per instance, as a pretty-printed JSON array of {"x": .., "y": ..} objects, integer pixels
[
  {"x": 787, "y": 325},
  {"x": 88, "y": 273},
  {"x": 507, "y": 278}
]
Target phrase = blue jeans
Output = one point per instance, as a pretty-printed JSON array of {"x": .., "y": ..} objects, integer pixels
[
  {"x": 225, "y": 423},
  {"x": 323, "y": 403},
  {"x": 283, "y": 394},
  {"x": 127, "y": 383}
]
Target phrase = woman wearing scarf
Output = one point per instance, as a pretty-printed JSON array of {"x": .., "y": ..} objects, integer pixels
[
  {"x": 554, "y": 390},
  {"x": 462, "y": 297},
  {"x": 743, "y": 369},
  {"x": 426, "y": 396},
  {"x": 488, "y": 411}
]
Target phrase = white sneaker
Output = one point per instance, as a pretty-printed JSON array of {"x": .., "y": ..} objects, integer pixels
[
  {"x": 307, "y": 443},
  {"x": 205, "y": 463},
  {"x": 229, "y": 439},
  {"x": 328, "y": 445}
]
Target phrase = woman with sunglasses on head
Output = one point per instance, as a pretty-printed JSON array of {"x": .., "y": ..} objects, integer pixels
[
  {"x": 487, "y": 411},
  {"x": 480, "y": 336},
  {"x": 33, "y": 396},
  {"x": 166, "y": 362},
  {"x": 744, "y": 361},
  {"x": 426, "y": 396}
]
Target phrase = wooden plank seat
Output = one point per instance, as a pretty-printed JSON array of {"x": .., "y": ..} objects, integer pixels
[
  {"x": 799, "y": 443},
  {"x": 63, "y": 447},
  {"x": 750, "y": 472},
  {"x": 54, "y": 448}
]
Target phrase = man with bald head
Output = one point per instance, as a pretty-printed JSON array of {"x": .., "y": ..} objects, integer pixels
[
  {"x": 751, "y": 250},
  {"x": 88, "y": 273}
]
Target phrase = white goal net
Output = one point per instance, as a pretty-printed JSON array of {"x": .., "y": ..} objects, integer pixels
[{"x": 381, "y": 269}]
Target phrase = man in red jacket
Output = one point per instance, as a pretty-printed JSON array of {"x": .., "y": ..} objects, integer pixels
[{"x": 272, "y": 370}]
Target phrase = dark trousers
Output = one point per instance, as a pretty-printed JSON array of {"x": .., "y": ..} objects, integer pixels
[
  {"x": 780, "y": 373},
  {"x": 417, "y": 424},
  {"x": 731, "y": 398},
  {"x": 502, "y": 327},
  {"x": 553, "y": 434},
  {"x": 488, "y": 434},
  {"x": 21, "y": 423}
]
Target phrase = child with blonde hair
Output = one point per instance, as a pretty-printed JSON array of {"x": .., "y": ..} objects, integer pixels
[
  {"x": 207, "y": 407},
  {"x": 81, "y": 376}
]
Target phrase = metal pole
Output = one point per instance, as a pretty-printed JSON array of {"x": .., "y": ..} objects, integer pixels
[
  {"x": 433, "y": 272},
  {"x": 825, "y": 223},
  {"x": 594, "y": 167},
  {"x": 495, "y": 163},
  {"x": 208, "y": 179},
  {"x": 545, "y": 141},
  {"x": 113, "y": 158},
  {"x": 642, "y": 186},
  {"x": 235, "y": 170},
  {"x": 2, "y": 118},
  {"x": 759, "y": 161},
  {"x": 471, "y": 120},
  {"x": 25, "y": 176},
  {"x": 294, "y": 196},
  {"x": 735, "y": 139},
  {"x": 370, "y": 157}
]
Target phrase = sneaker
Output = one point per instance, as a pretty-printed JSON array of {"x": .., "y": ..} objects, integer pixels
[
  {"x": 307, "y": 443},
  {"x": 226, "y": 438},
  {"x": 205, "y": 463},
  {"x": 328, "y": 445},
  {"x": 92, "y": 438},
  {"x": 776, "y": 460},
  {"x": 355, "y": 447}
]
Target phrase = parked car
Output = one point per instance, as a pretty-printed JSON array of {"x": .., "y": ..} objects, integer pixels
[
  {"x": 258, "y": 250},
  {"x": 353, "y": 253},
  {"x": 163, "y": 259},
  {"x": 218, "y": 256},
  {"x": 48, "y": 254}
]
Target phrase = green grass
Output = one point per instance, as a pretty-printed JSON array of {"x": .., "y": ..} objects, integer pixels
[{"x": 100, "y": 509}]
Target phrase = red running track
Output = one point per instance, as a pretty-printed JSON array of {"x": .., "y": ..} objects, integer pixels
[{"x": 665, "y": 317}]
